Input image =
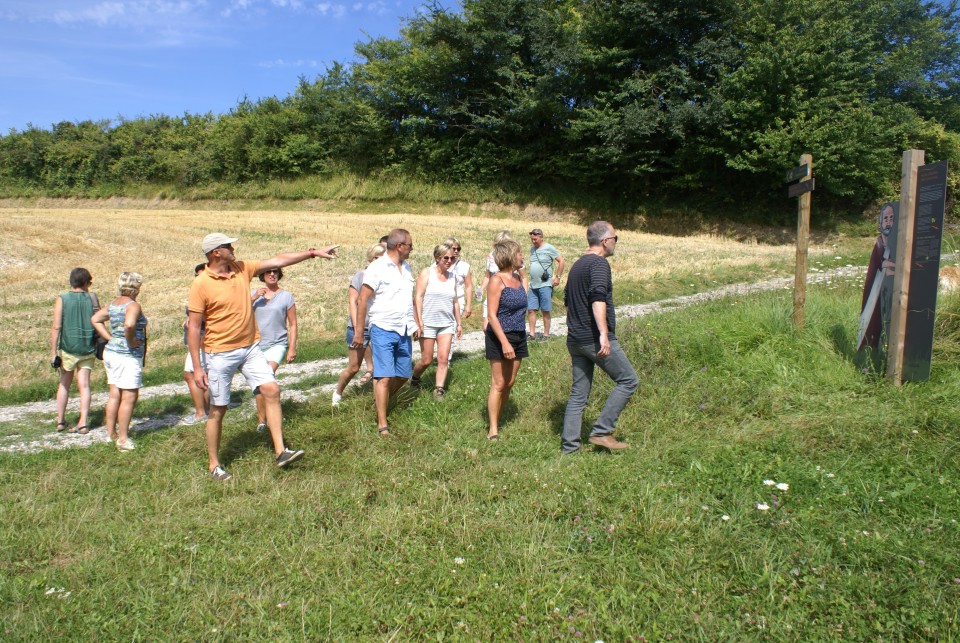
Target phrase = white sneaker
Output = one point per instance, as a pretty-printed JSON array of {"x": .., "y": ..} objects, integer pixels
[
  {"x": 191, "y": 418},
  {"x": 261, "y": 427},
  {"x": 125, "y": 446},
  {"x": 336, "y": 399}
]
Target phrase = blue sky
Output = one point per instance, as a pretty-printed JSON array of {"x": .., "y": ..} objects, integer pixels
[{"x": 72, "y": 60}]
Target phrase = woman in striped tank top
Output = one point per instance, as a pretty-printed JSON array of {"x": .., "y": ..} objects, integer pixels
[
  {"x": 123, "y": 355},
  {"x": 437, "y": 314}
]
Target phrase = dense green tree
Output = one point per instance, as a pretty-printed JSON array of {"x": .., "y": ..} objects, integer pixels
[{"x": 623, "y": 97}]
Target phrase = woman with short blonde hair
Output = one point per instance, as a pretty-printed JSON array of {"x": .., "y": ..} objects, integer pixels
[{"x": 123, "y": 356}]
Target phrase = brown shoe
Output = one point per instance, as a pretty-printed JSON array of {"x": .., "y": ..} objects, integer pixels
[{"x": 608, "y": 442}]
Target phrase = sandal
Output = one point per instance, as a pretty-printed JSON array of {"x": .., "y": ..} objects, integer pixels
[
  {"x": 384, "y": 432},
  {"x": 494, "y": 438},
  {"x": 439, "y": 392},
  {"x": 61, "y": 426},
  {"x": 72, "y": 429},
  {"x": 366, "y": 377},
  {"x": 82, "y": 430}
]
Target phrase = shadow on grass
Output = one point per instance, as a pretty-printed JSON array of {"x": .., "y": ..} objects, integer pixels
[{"x": 867, "y": 360}]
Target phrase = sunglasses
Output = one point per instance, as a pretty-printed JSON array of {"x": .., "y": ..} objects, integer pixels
[
  {"x": 614, "y": 237},
  {"x": 226, "y": 246},
  {"x": 448, "y": 258}
]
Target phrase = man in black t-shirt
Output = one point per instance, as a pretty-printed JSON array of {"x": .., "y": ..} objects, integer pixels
[{"x": 592, "y": 341}]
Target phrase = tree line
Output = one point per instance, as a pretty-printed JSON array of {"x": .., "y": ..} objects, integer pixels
[{"x": 625, "y": 98}]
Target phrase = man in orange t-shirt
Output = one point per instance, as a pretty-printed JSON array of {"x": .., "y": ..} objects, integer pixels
[{"x": 220, "y": 294}]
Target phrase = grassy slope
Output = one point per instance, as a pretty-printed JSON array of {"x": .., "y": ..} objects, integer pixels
[{"x": 438, "y": 534}]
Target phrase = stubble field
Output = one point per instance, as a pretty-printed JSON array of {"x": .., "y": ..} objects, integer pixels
[{"x": 39, "y": 247}]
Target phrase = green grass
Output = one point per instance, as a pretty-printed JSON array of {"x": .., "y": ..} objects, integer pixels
[{"x": 438, "y": 534}]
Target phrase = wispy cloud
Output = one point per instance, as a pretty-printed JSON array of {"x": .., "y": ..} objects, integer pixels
[
  {"x": 128, "y": 12},
  {"x": 335, "y": 10},
  {"x": 280, "y": 63}
]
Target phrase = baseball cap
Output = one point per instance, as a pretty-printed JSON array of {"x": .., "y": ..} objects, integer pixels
[
  {"x": 214, "y": 240},
  {"x": 536, "y": 231}
]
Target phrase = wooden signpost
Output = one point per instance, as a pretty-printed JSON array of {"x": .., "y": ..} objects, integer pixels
[{"x": 802, "y": 190}]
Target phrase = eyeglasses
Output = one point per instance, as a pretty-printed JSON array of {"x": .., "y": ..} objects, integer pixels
[
  {"x": 455, "y": 249},
  {"x": 614, "y": 237},
  {"x": 448, "y": 258},
  {"x": 404, "y": 243}
]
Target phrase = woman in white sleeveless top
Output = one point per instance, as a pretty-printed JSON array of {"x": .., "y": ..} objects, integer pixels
[{"x": 436, "y": 311}]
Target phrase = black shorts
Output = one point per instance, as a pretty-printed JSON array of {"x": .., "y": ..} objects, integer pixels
[{"x": 518, "y": 340}]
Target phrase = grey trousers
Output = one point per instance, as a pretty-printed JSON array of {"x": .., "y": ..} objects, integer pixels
[{"x": 619, "y": 369}]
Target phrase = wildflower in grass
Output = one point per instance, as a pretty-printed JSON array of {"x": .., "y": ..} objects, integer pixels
[
  {"x": 459, "y": 560},
  {"x": 724, "y": 517},
  {"x": 769, "y": 482},
  {"x": 829, "y": 475},
  {"x": 762, "y": 506},
  {"x": 783, "y": 486}
]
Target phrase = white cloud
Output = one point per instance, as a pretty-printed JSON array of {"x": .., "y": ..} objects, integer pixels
[
  {"x": 280, "y": 63},
  {"x": 136, "y": 12},
  {"x": 335, "y": 10}
]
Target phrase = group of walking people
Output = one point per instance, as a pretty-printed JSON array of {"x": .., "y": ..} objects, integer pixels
[{"x": 230, "y": 327}]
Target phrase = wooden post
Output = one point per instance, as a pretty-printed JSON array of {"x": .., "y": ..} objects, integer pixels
[
  {"x": 803, "y": 241},
  {"x": 912, "y": 160}
]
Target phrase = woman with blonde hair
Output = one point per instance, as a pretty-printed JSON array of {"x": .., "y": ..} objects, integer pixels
[
  {"x": 499, "y": 237},
  {"x": 436, "y": 311},
  {"x": 123, "y": 355},
  {"x": 506, "y": 336},
  {"x": 356, "y": 356}
]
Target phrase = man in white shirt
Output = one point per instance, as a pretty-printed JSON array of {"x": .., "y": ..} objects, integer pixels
[{"x": 389, "y": 281}]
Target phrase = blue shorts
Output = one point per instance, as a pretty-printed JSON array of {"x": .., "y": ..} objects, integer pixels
[
  {"x": 351, "y": 333},
  {"x": 392, "y": 353},
  {"x": 540, "y": 299}
]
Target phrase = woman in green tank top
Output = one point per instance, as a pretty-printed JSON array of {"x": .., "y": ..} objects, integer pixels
[{"x": 72, "y": 342}]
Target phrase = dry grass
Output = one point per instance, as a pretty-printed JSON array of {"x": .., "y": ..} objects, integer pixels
[{"x": 39, "y": 247}]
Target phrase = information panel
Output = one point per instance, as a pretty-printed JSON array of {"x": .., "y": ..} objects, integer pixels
[{"x": 925, "y": 271}]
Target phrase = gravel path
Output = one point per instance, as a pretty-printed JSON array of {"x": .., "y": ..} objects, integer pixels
[{"x": 291, "y": 374}]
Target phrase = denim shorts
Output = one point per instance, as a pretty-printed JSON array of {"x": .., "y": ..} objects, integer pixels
[
  {"x": 351, "y": 333},
  {"x": 540, "y": 299},
  {"x": 392, "y": 353}
]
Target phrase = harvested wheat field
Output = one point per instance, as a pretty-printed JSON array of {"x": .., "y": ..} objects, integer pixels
[{"x": 39, "y": 247}]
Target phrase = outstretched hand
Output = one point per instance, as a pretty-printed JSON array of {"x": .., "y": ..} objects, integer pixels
[{"x": 330, "y": 252}]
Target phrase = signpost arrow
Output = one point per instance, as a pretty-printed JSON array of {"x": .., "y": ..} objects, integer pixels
[
  {"x": 800, "y": 188},
  {"x": 796, "y": 173}
]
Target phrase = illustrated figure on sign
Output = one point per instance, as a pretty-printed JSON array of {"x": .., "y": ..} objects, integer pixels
[{"x": 877, "y": 301}]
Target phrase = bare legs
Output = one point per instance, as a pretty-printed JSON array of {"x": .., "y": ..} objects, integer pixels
[
  {"x": 443, "y": 343},
  {"x": 261, "y": 405},
  {"x": 119, "y": 411},
  {"x": 503, "y": 375},
  {"x": 383, "y": 388},
  {"x": 355, "y": 356},
  {"x": 201, "y": 399},
  {"x": 270, "y": 393},
  {"x": 63, "y": 394},
  {"x": 532, "y": 322}
]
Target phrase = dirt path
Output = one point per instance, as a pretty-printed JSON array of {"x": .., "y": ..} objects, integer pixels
[{"x": 290, "y": 375}]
